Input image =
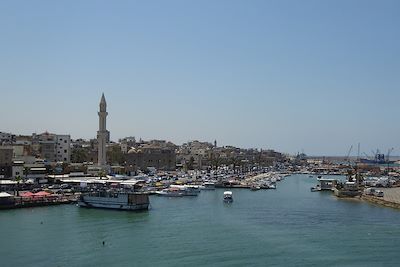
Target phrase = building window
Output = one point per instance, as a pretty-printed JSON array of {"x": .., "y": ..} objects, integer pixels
[{"x": 65, "y": 151}]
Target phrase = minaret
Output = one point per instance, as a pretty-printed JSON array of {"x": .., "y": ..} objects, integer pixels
[{"x": 102, "y": 134}]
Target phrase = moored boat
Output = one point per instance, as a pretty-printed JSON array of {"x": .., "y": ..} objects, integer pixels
[
  {"x": 170, "y": 192},
  {"x": 115, "y": 200},
  {"x": 186, "y": 190},
  {"x": 228, "y": 196},
  {"x": 255, "y": 187},
  {"x": 316, "y": 188},
  {"x": 208, "y": 186}
]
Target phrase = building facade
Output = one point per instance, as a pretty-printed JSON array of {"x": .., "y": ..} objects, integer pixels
[
  {"x": 52, "y": 147},
  {"x": 6, "y": 154},
  {"x": 63, "y": 148},
  {"x": 158, "y": 154}
]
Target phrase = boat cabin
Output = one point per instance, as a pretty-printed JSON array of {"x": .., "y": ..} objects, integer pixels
[{"x": 326, "y": 183}]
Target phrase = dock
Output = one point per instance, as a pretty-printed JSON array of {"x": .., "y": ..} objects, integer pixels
[
  {"x": 16, "y": 202},
  {"x": 391, "y": 198}
]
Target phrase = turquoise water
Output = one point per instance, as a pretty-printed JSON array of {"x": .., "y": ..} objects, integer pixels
[{"x": 290, "y": 226}]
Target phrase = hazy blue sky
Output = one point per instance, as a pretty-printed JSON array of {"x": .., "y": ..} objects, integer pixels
[{"x": 288, "y": 75}]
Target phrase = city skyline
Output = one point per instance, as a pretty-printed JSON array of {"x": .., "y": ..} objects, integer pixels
[{"x": 288, "y": 77}]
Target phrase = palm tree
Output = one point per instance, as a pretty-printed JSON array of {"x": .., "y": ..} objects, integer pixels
[{"x": 102, "y": 174}]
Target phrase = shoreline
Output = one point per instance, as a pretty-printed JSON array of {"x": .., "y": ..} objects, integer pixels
[{"x": 381, "y": 202}]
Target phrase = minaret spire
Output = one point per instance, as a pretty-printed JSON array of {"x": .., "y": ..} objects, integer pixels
[{"x": 103, "y": 136}]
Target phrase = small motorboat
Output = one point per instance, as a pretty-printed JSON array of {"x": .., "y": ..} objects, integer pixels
[
  {"x": 228, "y": 196},
  {"x": 255, "y": 188},
  {"x": 316, "y": 188},
  {"x": 170, "y": 192}
]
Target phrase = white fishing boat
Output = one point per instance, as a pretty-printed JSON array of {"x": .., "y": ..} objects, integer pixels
[
  {"x": 115, "y": 200},
  {"x": 187, "y": 190},
  {"x": 316, "y": 188},
  {"x": 228, "y": 196},
  {"x": 170, "y": 192},
  {"x": 272, "y": 186},
  {"x": 179, "y": 191},
  {"x": 255, "y": 187}
]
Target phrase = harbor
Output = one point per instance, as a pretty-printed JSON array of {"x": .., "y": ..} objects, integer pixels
[
  {"x": 101, "y": 192},
  {"x": 199, "y": 133},
  {"x": 257, "y": 227},
  {"x": 127, "y": 171},
  {"x": 67, "y": 189}
]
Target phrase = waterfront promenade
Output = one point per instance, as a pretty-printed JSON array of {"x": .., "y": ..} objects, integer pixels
[
  {"x": 391, "y": 194},
  {"x": 391, "y": 198}
]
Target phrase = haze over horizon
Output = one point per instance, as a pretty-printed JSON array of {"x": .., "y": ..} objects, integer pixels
[{"x": 317, "y": 76}]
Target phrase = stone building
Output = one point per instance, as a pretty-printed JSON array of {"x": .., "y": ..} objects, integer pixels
[
  {"x": 6, "y": 154},
  {"x": 194, "y": 154},
  {"x": 158, "y": 154}
]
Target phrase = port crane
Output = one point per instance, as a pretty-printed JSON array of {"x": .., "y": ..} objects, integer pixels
[{"x": 348, "y": 154}]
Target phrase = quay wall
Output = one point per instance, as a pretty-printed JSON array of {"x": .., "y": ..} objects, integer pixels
[{"x": 381, "y": 201}]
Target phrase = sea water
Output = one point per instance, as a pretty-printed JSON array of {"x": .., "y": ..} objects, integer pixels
[{"x": 289, "y": 226}]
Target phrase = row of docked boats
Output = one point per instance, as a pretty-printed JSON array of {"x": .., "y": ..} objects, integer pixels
[
  {"x": 185, "y": 190},
  {"x": 179, "y": 191},
  {"x": 125, "y": 200},
  {"x": 264, "y": 181}
]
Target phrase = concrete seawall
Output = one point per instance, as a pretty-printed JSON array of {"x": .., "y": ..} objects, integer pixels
[{"x": 391, "y": 198}]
